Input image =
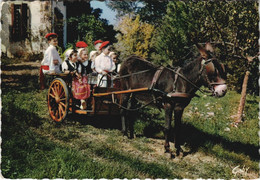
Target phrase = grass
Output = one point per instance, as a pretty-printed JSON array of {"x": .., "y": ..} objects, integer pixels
[{"x": 35, "y": 147}]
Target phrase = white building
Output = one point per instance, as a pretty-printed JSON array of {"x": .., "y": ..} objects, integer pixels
[{"x": 25, "y": 23}]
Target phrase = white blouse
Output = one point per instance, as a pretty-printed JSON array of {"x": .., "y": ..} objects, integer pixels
[
  {"x": 65, "y": 66},
  {"x": 104, "y": 63}
]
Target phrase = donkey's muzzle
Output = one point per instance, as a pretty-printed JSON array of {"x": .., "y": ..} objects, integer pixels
[{"x": 220, "y": 90}]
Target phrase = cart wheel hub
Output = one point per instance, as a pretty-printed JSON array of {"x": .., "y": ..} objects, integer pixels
[{"x": 57, "y": 99}]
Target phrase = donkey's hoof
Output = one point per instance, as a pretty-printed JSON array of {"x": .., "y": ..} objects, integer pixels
[
  {"x": 124, "y": 133},
  {"x": 179, "y": 152},
  {"x": 167, "y": 150},
  {"x": 172, "y": 156},
  {"x": 169, "y": 155}
]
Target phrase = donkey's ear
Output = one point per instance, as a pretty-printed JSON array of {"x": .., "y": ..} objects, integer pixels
[
  {"x": 202, "y": 51},
  {"x": 209, "y": 47}
]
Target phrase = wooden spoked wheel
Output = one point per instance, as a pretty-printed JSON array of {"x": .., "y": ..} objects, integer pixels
[{"x": 58, "y": 100}]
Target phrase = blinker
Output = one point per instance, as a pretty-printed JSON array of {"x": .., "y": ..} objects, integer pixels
[{"x": 210, "y": 68}]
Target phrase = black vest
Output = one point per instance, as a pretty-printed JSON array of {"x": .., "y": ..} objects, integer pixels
[
  {"x": 86, "y": 69},
  {"x": 72, "y": 68}
]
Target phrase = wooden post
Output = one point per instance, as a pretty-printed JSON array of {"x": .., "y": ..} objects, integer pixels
[
  {"x": 243, "y": 99},
  {"x": 241, "y": 107}
]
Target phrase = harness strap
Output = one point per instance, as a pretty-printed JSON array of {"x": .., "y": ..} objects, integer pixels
[
  {"x": 156, "y": 76},
  {"x": 183, "y": 77},
  {"x": 175, "y": 79},
  {"x": 135, "y": 73}
]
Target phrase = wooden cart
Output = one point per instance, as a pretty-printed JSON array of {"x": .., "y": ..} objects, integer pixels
[{"x": 102, "y": 101}]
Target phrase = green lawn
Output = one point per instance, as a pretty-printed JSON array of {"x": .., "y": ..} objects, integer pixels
[{"x": 35, "y": 147}]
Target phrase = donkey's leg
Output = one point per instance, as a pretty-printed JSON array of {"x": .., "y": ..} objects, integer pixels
[
  {"x": 177, "y": 128},
  {"x": 167, "y": 128}
]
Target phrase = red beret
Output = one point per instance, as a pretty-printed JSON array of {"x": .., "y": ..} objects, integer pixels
[
  {"x": 98, "y": 41},
  {"x": 81, "y": 44},
  {"x": 50, "y": 34},
  {"x": 104, "y": 44}
]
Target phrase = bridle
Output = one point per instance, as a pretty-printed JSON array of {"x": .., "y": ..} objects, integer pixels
[{"x": 204, "y": 63}]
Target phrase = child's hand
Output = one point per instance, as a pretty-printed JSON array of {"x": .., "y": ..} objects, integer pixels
[
  {"x": 80, "y": 81},
  {"x": 78, "y": 75},
  {"x": 79, "y": 78},
  {"x": 66, "y": 72},
  {"x": 73, "y": 72},
  {"x": 104, "y": 72}
]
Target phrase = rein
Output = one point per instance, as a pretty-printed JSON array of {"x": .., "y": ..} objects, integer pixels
[
  {"x": 173, "y": 93},
  {"x": 204, "y": 62},
  {"x": 139, "y": 72},
  {"x": 183, "y": 77}
]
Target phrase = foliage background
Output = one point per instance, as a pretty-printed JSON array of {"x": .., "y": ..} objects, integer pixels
[{"x": 175, "y": 26}]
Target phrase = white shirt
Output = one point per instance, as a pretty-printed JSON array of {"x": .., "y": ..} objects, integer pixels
[
  {"x": 104, "y": 63},
  {"x": 51, "y": 54},
  {"x": 65, "y": 66}
]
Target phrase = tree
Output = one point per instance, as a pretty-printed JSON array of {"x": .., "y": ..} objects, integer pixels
[
  {"x": 134, "y": 37},
  {"x": 232, "y": 25},
  {"x": 124, "y": 7},
  {"x": 150, "y": 11}
]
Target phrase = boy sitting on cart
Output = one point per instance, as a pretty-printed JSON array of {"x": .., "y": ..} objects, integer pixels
[{"x": 51, "y": 61}]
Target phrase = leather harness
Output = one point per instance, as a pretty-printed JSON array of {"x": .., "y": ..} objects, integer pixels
[{"x": 173, "y": 93}]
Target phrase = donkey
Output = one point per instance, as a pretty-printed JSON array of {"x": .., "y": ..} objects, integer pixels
[{"x": 171, "y": 89}]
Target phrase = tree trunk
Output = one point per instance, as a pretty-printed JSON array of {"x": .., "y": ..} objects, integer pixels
[{"x": 243, "y": 99}]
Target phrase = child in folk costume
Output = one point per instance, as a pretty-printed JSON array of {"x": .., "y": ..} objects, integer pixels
[
  {"x": 86, "y": 71},
  {"x": 92, "y": 57},
  {"x": 51, "y": 61},
  {"x": 114, "y": 58},
  {"x": 83, "y": 60},
  {"x": 51, "y": 58},
  {"x": 80, "y": 88},
  {"x": 97, "y": 44},
  {"x": 93, "y": 54},
  {"x": 70, "y": 64},
  {"x": 79, "y": 44},
  {"x": 104, "y": 64}
]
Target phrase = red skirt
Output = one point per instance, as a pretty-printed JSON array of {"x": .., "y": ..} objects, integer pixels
[{"x": 80, "y": 90}]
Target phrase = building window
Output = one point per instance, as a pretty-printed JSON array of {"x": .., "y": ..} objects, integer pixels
[{"x": 20, "y": 22}]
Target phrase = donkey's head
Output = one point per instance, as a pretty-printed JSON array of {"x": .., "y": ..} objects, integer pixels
[{"x": 212, "y": 71}]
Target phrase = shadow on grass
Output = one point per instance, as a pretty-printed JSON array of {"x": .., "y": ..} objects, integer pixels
[
  {"x": 18, "y": 67},
  {"x": 24, "y": 83},
  {"x": 18, "y": 118},
  {"x": 191, "y": 135},
  {"x": 196, "y": 139},
  {"x": 97, "y": 121}
]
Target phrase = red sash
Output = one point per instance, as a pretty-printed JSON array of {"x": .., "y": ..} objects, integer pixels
[{"x": 41, "y": 76}]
